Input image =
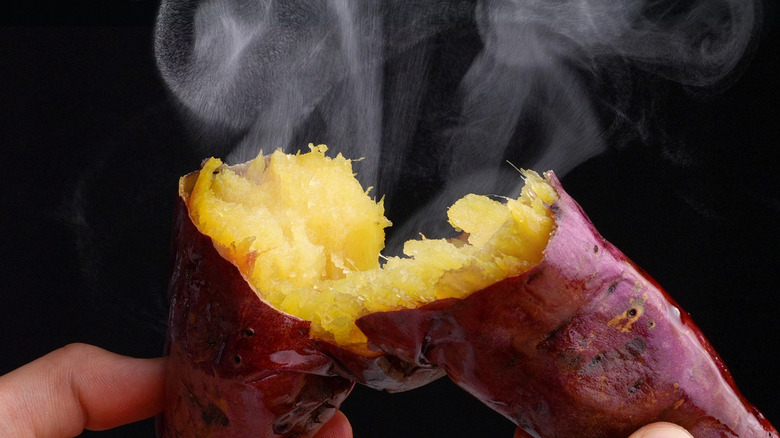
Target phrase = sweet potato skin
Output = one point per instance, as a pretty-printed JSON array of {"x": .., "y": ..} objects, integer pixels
[{"x": 584, "y": 344}]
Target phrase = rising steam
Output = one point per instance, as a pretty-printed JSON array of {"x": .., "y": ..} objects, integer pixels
[{"x": 437, "y": 92}]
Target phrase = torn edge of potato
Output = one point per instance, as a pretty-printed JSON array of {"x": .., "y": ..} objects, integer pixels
[{"x": 308, "y": 238}]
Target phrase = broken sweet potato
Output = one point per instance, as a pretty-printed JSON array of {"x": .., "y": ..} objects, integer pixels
[
  {"x": 583, "y": 344},
  {"x": 239, "y": 365},
  {"x": 280, "y": 300}
]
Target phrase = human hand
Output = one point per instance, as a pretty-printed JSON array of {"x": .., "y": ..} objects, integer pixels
[{"x": 84, "y": 387}]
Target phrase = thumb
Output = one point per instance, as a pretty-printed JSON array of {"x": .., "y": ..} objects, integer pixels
[
  {"x": 79, "y": 386},
  {"x": 661, "y": 430}
]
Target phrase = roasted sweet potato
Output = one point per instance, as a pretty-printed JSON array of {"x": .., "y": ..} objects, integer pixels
[
  {"x": 584, "y": 344},
  {"x": 279, "y": 303},
  {"x": 238, "y": 366}
]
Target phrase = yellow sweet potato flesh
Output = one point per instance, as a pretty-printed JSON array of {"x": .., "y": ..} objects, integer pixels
[{"x": 308, "y": 238}]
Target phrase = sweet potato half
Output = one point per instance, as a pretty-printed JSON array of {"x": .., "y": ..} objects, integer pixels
[{"x": 280, "y": 300}]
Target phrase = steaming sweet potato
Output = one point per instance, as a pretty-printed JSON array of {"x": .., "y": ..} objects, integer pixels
[
  {"x": 238, "y": 366},
  {"x": 279, "y": 303},
  {"x": 584, "y": 344}
]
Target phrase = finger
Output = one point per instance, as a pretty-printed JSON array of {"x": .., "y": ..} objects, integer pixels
[
  {"x": 661, "y": 430},
  {"x": 79, "y": 387},
  {"x": 336, "y": 427},
  {"x": 654, "y": 430}
]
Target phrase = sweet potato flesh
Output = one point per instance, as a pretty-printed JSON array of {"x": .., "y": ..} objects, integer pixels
[{"x": 308, "y": 238}]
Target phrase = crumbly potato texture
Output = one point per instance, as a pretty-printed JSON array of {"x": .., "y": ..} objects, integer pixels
[{"x": 308, "y": 238}]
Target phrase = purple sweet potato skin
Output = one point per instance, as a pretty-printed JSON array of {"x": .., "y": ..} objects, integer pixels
[{"x": 584, "y": 344}]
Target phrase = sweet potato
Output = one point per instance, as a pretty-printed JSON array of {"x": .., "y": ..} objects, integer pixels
[
  {"x": 584, "y": 344},
  {"x": 279, "y": 303},
  {"x": 238, "y": 367}
]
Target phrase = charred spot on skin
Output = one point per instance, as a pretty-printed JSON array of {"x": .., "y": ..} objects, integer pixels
[
  {"x": 237, "y": 360},
  {"x": 214, "y": 415},
  {"x": 612, "y": 288},
  {"x": 595, "y": 248}
]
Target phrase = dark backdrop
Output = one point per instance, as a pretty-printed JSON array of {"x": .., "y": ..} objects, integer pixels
[{"x": 93, "y": 147}]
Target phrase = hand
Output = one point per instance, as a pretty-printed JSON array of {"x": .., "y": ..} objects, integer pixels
[{"x": 83, "y": 387}]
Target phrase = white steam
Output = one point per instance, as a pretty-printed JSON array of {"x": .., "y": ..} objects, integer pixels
[{"x": 471, "y": 83}]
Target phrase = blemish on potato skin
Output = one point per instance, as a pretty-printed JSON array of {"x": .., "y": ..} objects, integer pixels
[
  {"x": 570, "y": 360},
  {"x": 532, "y": 276},
  {"x": 248, "y": 332},
  {"x": 609, "y": 359},
  {"x": 636, "y": 386},
  {"x": 636, "y": 346},
  {"x": 214, "y": 415},
  {"x": 625, "y": 320},
  {"x": 596, "y": 360}
]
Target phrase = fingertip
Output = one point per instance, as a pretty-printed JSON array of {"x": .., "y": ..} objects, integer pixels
[
  {"x": 337, "y": 427},
  {"x": 661, "y": 430}
]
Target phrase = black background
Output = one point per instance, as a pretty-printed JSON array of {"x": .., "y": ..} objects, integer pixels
[{"x": 92, "y": 147}]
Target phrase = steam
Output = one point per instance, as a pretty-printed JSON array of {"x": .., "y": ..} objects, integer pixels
[{"x": 466, "y": 85}]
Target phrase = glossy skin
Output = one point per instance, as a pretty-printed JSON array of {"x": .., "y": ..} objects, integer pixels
[
  {"x": 585, "y": 344},
  {"x": 239, "y": 368},
  {"x": 236, "y": 366}
]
